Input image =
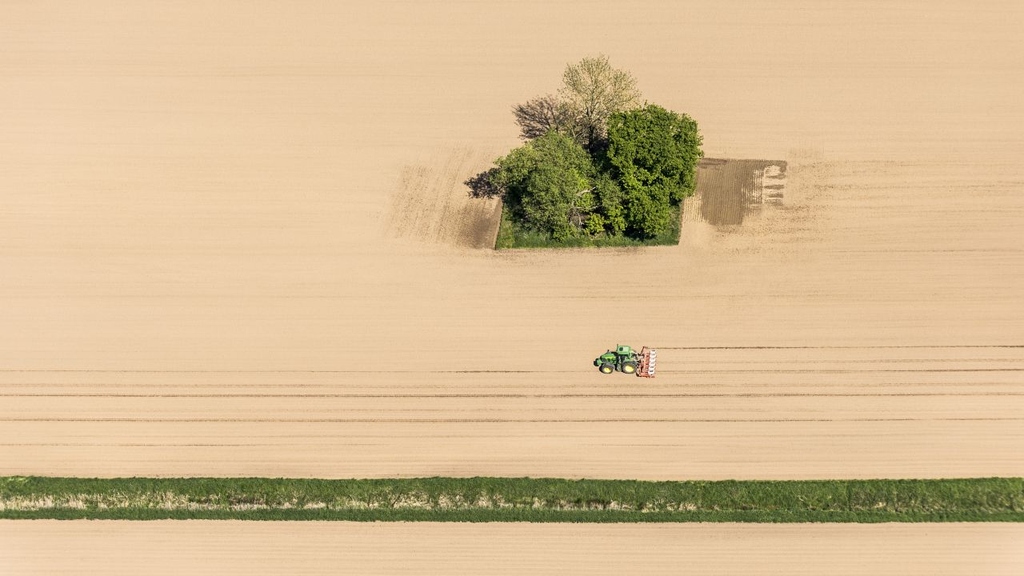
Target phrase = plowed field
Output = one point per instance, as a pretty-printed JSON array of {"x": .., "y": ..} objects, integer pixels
[
  {"x": 102, "y": 547},
  {"x": 234, "y": 241}
]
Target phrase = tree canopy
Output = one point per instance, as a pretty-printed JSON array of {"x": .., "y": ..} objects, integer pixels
[
  {"x": 596, "y": 90},
  {"x": 596, "y": 165},
  {"x": 549, "y": 185},
  {"x": 592, "y": 90},
  {"x": 538, "y": 116},
  {"x": 654, "y": 154}
]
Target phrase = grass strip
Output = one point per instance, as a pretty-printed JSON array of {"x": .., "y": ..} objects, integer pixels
[{"x": 513, "y": 500}]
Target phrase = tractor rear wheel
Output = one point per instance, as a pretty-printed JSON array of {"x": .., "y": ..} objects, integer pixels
[
  {"x": 607, "y": 369},
  {"x": 629, "y": 368}
]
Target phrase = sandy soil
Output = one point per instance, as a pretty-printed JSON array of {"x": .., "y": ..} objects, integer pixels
[
  {"x": 332, "y": 548},
  {"x": 427, "y": 205},
  {"x": 202, "y": 269},
  {"x": 241, "y": 245}
]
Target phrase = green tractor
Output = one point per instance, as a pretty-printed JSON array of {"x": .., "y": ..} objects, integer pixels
[{"x": 628, "y": 361}]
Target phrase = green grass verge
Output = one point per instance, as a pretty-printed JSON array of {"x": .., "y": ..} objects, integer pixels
[
  {"x": 512, "y": 236},
  {"x": 514, "y": 500}
]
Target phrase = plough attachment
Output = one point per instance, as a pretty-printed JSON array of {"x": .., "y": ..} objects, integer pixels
[{"x": 648, "y": 362}]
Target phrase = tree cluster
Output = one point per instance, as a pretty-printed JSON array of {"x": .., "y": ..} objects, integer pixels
[{"x": 595, "y": 162}]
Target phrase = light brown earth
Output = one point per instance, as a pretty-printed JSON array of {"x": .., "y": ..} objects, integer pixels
[
  {"x": 215, "y": 257},
  {"x": 223, "y": 548}
]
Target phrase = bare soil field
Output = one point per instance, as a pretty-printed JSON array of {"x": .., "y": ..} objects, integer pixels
[
  {"x": 427, "y": 207},
  {"x": 218, "y": 547},
  {"x": 234, "y": 241},
  {"x": 727, "y": 189}
]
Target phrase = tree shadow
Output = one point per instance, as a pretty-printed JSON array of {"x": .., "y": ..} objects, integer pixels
[{"x": 483, "y": 186}]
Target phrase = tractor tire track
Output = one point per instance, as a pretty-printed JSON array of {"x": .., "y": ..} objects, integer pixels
[
  {"x": 531, "y": 396},
  {"x": 498, "y": 420}
]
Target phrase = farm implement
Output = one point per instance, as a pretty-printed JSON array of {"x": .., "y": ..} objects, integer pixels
[{"x": 628, "y": 361}]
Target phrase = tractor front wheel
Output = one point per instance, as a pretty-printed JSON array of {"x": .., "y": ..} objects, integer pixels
[
  {"x": 607, "y": 369},
  {"x": 629, "y": 368}
]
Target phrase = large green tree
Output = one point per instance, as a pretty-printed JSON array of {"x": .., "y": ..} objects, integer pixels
[
  {"x": 596, "y": 165},
  {"x": 548, "y": 185},
  {"x": 654, "y": 154}
]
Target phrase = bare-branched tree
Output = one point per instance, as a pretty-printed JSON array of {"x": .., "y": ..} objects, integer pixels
[
  {"x": 592, "y": 91},
  {"x": 536, "y": 117},
  {"x": 595, "y": 90}
]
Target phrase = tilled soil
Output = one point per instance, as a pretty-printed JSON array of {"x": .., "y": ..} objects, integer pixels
[
  {"x": 432, "y": 205},
  {"x": 201, "y": 271},
  {"x": 224, "y": 547},
  {"x": 727, "y": 189}
]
